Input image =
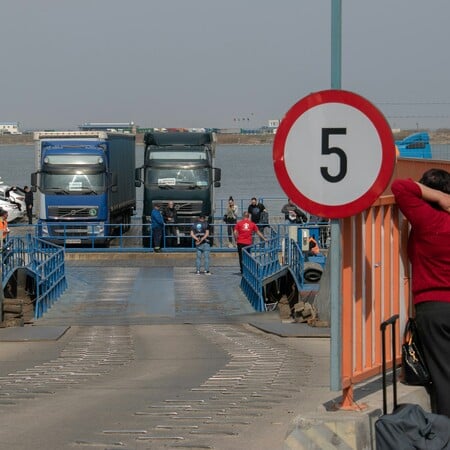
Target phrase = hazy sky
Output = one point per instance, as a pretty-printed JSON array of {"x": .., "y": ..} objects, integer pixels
[{"x": 207, "y": 63}]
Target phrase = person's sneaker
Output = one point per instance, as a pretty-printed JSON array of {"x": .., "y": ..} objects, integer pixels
[
  {"x": 198, "y": 272},
  {"x": 207, "y": 272}
]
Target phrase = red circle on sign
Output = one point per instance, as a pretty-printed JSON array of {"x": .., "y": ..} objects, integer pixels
[{"x": 387, "y": 149}]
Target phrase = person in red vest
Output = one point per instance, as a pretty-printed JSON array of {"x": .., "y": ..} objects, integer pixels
[
  {"x": 314, "y": 249},
  {"x": 4, "y": 230},
  {"x": 243, "y": 231}
]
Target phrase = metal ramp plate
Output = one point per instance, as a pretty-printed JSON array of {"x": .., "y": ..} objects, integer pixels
[{"x": 31, "y": 333}]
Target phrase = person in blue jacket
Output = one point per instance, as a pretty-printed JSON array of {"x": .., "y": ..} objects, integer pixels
[{"x": 157, "y": 227}]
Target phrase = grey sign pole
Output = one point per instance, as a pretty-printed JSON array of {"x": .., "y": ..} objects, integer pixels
[{"x": 335, "y": 246}]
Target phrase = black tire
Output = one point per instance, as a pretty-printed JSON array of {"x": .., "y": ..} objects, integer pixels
[{"x": 312, "y": 272}]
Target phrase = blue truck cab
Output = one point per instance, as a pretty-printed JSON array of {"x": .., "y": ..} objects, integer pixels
[
  {"x": 416, "y": 145},
  {"x": 85, "y": 185}
]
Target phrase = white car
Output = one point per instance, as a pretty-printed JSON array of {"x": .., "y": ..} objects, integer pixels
[
  {"x": 13, "y": 210},
  {"x": 16, "y": 197}
]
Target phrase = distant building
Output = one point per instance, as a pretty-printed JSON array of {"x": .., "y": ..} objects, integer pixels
[
  {"x": 123, "y": 127},
  {"x": 9, "y": 128},
  {"x": 273, "y": 125}
]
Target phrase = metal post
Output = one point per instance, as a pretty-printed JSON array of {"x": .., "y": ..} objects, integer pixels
[{"x": 335, "y": 229}]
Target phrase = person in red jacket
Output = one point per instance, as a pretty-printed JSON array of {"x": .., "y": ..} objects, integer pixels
[
  {"x": 426, "y": 205},
  {"x": 243, "y": 231}
]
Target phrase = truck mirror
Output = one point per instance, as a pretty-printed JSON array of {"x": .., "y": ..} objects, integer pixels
[
  {"x": 33, "y": 181},
  {"x": 114, "y": 181},
  {"x": 138, "y": 177},
  {"x": 217, "y": 175},
  {"x": 216, "y": 183}
]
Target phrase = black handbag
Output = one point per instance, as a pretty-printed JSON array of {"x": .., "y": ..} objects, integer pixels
[{"x": 414, "y": 369}]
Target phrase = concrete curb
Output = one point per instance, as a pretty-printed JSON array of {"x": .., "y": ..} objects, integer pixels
[
  {"x": 155, "y": 259},
  {"x": 346, "y": 430}
]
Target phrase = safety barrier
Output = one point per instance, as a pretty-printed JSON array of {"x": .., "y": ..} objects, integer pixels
[
  {"x": 44, "y": 262},
  {"x": 14, "y": 254},
  {"x": 264, "y": 261},
  {"x": 128, "y": 237},
  {"x": 47, "y": 263}
]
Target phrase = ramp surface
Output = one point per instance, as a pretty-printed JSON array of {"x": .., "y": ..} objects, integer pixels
[{"x": 31, "y": 333}]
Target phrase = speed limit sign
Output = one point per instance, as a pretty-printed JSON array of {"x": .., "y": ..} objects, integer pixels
[{"x": 334, "y": 153}]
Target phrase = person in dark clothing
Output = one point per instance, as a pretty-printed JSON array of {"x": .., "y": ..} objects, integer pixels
[
  {"x": 170, "y": 219},
  {"x": 157, "y": 227},
  {"x": 29, "y": 203},
  {"x": 426, "y": 205},
  {"x": 230, "y": 218},
  {"x": 255, "y": 209},
  {"x": 293, "y": 214}
]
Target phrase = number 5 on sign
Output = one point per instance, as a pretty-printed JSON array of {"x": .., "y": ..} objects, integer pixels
[{"x": 334, "y": 153}]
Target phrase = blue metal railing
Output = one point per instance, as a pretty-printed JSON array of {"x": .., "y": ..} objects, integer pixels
[
  {"x": 44, "y": 262},
  {"x": 47, "y": 263},
  {"x": 264, "y": 260},
  {"x": 14, "y": 254},
  {"x": 129, "y": 237},
  {"x": 261, "y": 261}
]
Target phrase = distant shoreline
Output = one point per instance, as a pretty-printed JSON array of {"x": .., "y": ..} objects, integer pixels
[
  {"x": 441, "y": 136},
  {"x": 222, "y": 139}
]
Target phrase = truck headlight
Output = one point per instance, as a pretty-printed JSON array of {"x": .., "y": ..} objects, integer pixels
[{"x": 99, "y": 229}]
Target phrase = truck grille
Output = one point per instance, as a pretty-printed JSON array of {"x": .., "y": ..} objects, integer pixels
[
  {"x": 184, "y": 208},
  {"x": 69, "y": 231},
  {"x": 72, "y": 212}
]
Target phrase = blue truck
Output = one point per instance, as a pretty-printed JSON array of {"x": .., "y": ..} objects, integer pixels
[
  {"x": 416, "y": 145},
  {"x": 179, "y": 167},
  {"x": 85, "y": 185}
]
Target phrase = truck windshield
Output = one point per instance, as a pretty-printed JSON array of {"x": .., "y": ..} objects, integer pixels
[
  {"x": 73, "y": 184},
  {"x": 179, "y": 178}
]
